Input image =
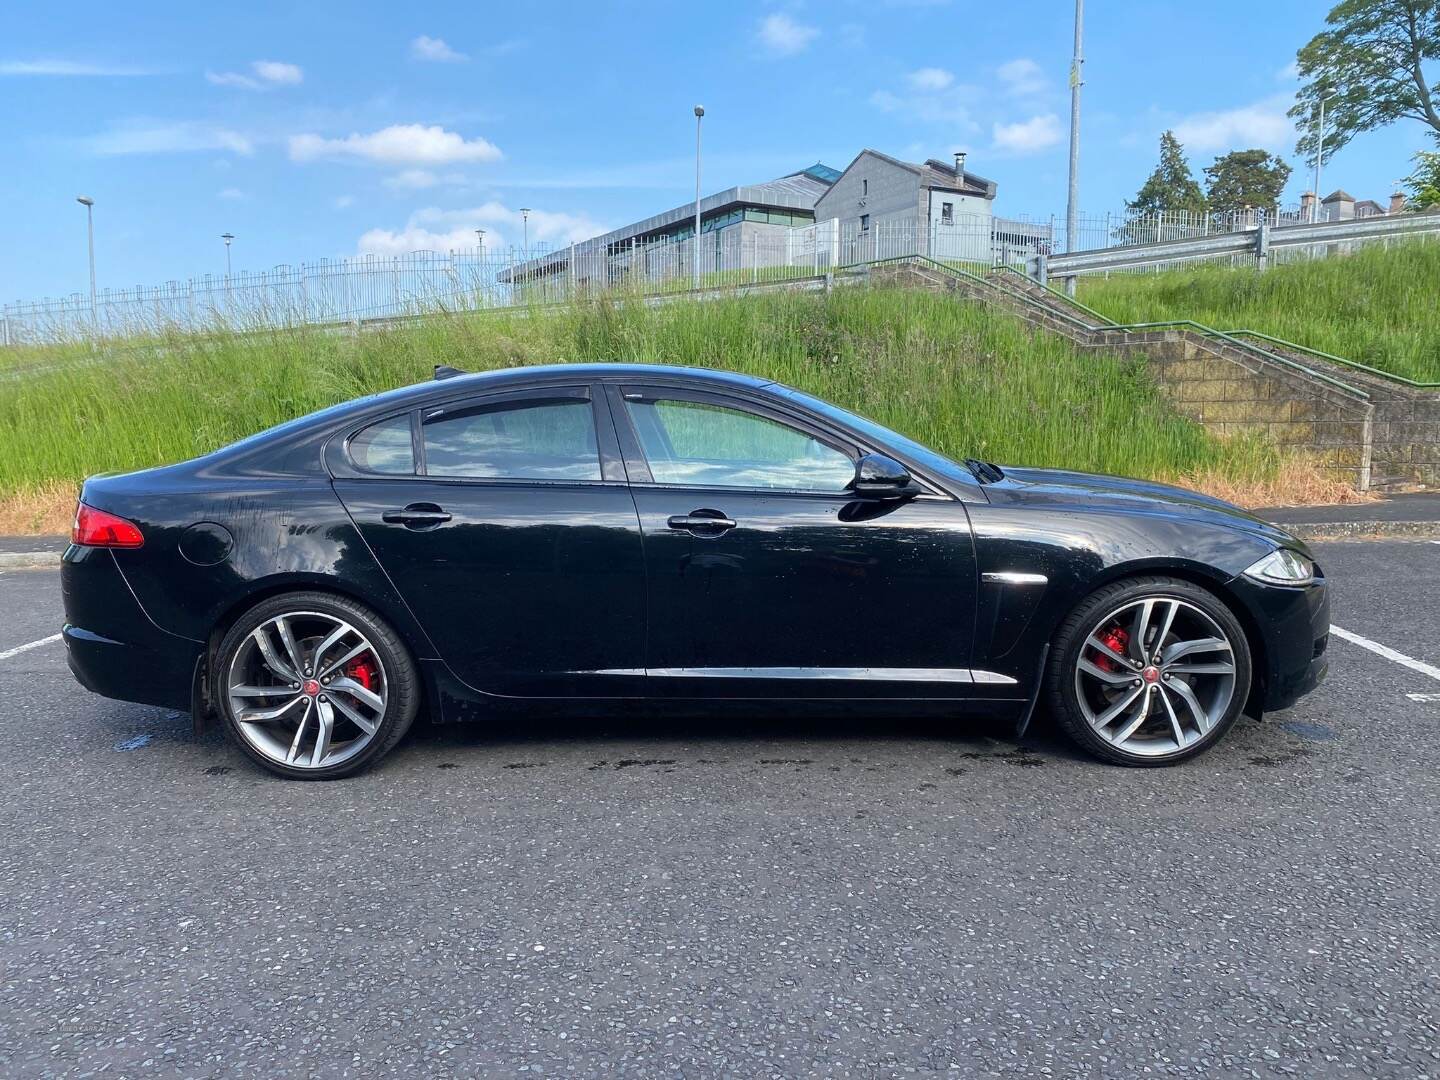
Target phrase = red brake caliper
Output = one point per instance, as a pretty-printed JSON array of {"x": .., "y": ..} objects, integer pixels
[
  {"x": 1116, "y": 638},
  {"x": 363, "y": 672}
]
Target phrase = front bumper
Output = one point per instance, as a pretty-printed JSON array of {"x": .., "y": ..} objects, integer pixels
[
  {"x": 1294, "y": 632},
  {"x": 112, "y": 647}
]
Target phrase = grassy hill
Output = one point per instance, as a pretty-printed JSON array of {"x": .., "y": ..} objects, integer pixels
[
  {"x": 968, "y": 381},
  {"x": 1380, "y": 306}
]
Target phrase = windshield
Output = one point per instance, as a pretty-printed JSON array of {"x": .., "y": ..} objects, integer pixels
[{"x": 902, "y": 444}]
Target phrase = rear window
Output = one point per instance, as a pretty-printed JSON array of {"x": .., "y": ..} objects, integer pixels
[{"x": 385, "y": 447}]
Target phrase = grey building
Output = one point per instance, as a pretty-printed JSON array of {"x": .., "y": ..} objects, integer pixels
[
  {"x": 754, "y": 220},
  {"x": 884, "y": 206}
]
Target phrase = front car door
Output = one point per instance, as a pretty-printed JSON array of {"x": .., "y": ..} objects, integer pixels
[
  {"x": 505, "y": 522},
  {"x": 766, "y": 578}
]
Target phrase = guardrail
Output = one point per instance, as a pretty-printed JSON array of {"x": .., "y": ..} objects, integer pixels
[{"x": 1259, "y": 243}]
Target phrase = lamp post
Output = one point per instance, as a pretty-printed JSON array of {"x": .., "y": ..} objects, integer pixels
[
  {"x": 1319, "y": 155},
  {"x": 525, "y": 215},
  {"x": 695, "y": 241},
  {"x": 89, "y": 204},
  {"x": 480, "y": 242},
  {"x": 227, "y": 237},
  {"x": 1072, "y": 210}
]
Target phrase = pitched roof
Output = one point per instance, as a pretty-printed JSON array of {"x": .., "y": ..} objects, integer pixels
[
  {"x": 934, "y": 173},
  {"x": 1339, "y": 195}
]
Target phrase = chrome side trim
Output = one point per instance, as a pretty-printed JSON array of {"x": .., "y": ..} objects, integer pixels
[
  {"x": 1013, "y": 577},
  {"x": 856, "y": 674},
  {"x": 882, "y": 674}
]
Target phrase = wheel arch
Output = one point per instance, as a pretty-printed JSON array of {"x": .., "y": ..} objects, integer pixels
[
  {"x": 409, "y": 632},
  {"x": 1212, "y": 581}
]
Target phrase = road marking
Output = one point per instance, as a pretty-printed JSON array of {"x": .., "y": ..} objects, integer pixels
[
  {"x": 8, "y": 653},
  {"x": 1423, "y": 697},
  {"x": 1387, "y": 652}
]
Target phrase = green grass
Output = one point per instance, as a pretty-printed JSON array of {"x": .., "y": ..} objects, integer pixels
[
  {"x": 966, "y": 380},
  {"x": 1378, "y": 306}
]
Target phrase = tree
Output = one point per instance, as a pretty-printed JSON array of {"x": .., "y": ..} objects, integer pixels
[
  {"x": 1370, "y": 66},
  {"x": 1424, "y": 182},
  {"x": 1245, "y": 178},
  {"x": 1171, "y": 186}
]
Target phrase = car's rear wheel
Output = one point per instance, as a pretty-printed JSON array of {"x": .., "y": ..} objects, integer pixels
[
  {"x": 1149, "y": 671},
  {"x": 314, "y": 686}
]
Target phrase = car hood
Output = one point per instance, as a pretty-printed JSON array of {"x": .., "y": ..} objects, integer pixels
[{"x": 1062, "y": 489}]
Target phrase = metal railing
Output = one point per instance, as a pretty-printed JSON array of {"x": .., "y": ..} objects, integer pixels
[{"x": 1260, "y": 245}]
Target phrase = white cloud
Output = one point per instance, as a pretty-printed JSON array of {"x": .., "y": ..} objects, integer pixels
[
  {"x": 783, "y": 36},
  {"x": 1028, "y": 136},
  {"x": 399, "y": 144},
  {"x": 278, "y": 72},
  {"x": 435, "y": 50},
  {"x": 344, "y": 202},
  {"x": 142, "y": 138},
  {"x": 1289, "y": 73},
  {"x": 433, "y": 229},
  {"x": 929, "y": 79},
  {"x": 1262, "y": 124},
  {"x": 233, "y": 194},
  {"x": 69, "y": 68},
  {"x": 264, "y": 75},
  {"x": 1021, "y": 76}
]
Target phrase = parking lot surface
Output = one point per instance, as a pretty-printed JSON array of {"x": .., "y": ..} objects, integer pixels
[{"x": 689, "y": 899}]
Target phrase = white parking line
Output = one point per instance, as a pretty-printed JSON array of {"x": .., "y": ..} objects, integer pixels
[
  {"x": 8, "y": 653},
  {"x": 1423, "y": 697},
  {"x": 1388, "y": 653}
]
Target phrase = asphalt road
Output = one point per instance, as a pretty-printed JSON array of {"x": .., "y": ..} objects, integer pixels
[{"x": 790, "y": 899}]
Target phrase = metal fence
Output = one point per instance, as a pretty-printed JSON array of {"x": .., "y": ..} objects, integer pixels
[{"x": 369, "y": 287}]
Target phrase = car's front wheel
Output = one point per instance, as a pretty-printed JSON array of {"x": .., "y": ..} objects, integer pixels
[
  {"x": 314, "y": 686},
  {"x": 1149, "y": 671}
]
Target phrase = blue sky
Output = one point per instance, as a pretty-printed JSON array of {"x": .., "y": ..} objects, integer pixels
[{"x": 314, "y": 130}]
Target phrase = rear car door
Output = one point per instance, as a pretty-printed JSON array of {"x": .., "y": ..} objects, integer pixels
[
  {"x": 766, "y": 578},
  {"x": 505, "y": 522}
]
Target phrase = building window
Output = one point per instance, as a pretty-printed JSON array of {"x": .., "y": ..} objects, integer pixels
[
  {"x": 864, "y": 222},
  {"x": 864, "y": 187},
  {"x": 947, "y": 213}
]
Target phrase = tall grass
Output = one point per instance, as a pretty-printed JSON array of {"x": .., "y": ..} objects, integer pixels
[
  {"x": 964, "y": 379},
  {"x": 1379, "y": 305}
]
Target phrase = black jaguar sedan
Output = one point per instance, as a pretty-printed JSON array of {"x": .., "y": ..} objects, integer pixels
[{"x": 602, "y": 538}]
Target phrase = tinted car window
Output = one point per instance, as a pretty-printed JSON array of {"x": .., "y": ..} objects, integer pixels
[
  {"x": 516, "y": 440},
  {"x": 385, "y": 447},
  {"x": 689, "y": 442}
]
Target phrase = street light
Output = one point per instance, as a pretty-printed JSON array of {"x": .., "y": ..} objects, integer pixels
[
  {"x": 227, "y": 237},
  {"x": 1319, "y": 153},
  {"x": 525, "y": 214},
  {"x": 695, "y": 259},
  {"x": 1072, "y": 210},
  {"x": 89, "y": 204},
  {"x": 480, "y": 242}
]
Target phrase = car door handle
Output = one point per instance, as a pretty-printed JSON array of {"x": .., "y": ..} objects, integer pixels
[
  {"x": 702, "y": 522},
  {"x": 416, "y": 516}
]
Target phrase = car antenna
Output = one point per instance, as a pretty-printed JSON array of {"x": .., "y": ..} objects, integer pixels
[{"x": 445, "y": 371}]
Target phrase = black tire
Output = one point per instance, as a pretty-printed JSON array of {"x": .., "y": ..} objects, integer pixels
[
  {"x": 401, "y": 678},
  {"x": 1069, "y": 641}
]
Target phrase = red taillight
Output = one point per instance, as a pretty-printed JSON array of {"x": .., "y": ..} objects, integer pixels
[{"x": 96, "y": 528}]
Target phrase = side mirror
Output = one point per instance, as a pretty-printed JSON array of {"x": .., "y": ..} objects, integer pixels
[{"x": 880, "y": 477}]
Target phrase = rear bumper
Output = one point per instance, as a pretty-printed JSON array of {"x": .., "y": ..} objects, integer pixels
[{"x": 112, "y": 647}]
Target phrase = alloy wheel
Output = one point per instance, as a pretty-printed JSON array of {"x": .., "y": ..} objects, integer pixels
[
  {"x": 1155, "y": 676},
  {"x": 307, "y": 690}
]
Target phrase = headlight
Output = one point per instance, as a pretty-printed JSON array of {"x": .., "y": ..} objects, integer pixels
[{"x": 1283, "y": 567}]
